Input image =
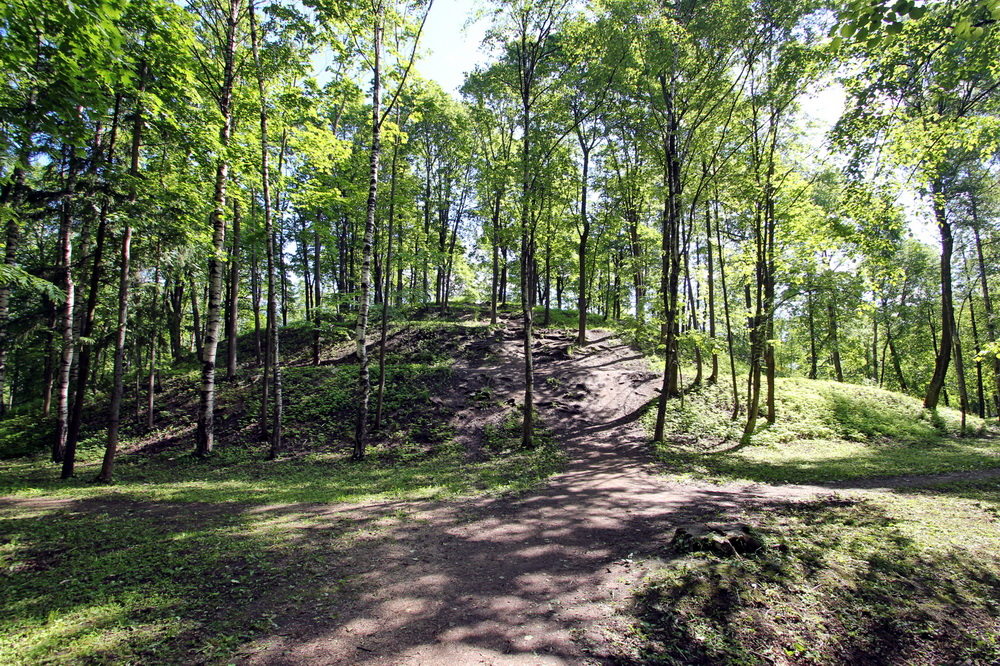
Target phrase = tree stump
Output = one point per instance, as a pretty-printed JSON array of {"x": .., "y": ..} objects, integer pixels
[{"x": 723, "y": 539}]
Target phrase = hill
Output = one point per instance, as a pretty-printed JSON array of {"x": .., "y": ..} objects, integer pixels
[{"x": 451, "y": 543}]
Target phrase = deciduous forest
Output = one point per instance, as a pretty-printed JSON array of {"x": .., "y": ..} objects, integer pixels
[{"x": 630, "y": 351}]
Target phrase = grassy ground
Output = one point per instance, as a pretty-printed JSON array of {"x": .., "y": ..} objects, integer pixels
[
  {"x": 910, "y": 576},
  {"x": 184, "y": 559},
  {"x": 903, "y": 578},
  {"x": 825, "y": 432}
]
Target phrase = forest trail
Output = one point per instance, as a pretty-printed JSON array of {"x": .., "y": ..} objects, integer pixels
[{"x": 538, "y": 579}]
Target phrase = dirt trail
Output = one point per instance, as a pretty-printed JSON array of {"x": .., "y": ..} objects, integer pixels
[{"x": 537, "y": 579}]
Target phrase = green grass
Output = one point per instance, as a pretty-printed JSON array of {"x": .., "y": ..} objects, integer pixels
[
  {"x": 93, "y": 581},
  {"x": 825, "y": 432},
  {"x": 888, "y": 579},
  {"x": 395, "y": 469},
  {"x": 186, "y": 560}
]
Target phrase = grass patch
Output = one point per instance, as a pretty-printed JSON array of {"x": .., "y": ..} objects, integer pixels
[
  {"x": 87, "y": 581},
  {"x": 510, "y": 466},
  {"x": 906, "y": 578},
  {"x": 825, "y": 431}
]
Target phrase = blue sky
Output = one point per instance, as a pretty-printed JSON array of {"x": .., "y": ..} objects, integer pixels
[{"x": 451, "y": 48}]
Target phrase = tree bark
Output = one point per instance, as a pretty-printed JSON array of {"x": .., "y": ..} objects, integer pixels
[
  {"x": 991, "y": 329},
  {"x": 581, "y": 335},
  {"x": 947, "y": 308},
  {"x": 106, "y": 474},
  {"x": 272, "y": 313},
  {"x": 68, "y": 311},
  {"x": 384, "y": 328},
  {"x": 714, "y": 376},
  {"x": 725, "y": 307},
  {"x": 813, "y": 355},
  {"x": 963, "y": 392},
  {"x": 317, "y": 293},
  {"x": 87, "y": 323},
  {"x": 363, "y": 391},
  {"x": 831, "y": 313},
  {"x": 495, "y": 235},
  {"x": 205, "y": 436},
  {"x": 233, "y": 300},
  {"x": 153, "y": 334}
]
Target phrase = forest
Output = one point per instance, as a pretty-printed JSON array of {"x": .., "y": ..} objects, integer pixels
[{"x": 287, "y": 327}]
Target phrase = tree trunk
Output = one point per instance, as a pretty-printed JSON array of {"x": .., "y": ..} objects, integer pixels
[
  {"x": 317, "y": 293},
  {"x": 206, "y": 409},
  {"x": 272, "y": 313},
  {"x": 947, "y": 308},
  {"x": 770, "y": 223},
  {"x": 384, "y": 328},
  {"x": 233, "y": 307},
  {"x": 175, "y": 314},
  {"x": 980, "y": 393},
  {"x": 757, "y": 329},
  {"x": 48, "y": 372},
  {"x": 895, "y": 360},
  {"x": 527, "y": 430},
  {"x": 991, "y": 329},
  {"x": 671, "y": 259},
  {"x": 68, "y": 312},
  {"x": 495, "y": 236},
  {"x": 258, "y": 346},
  {"x": 813, "y": 356},
  {"x": 874, "y": 348},
  {"x": 197, "y": 328},
  {"x": 694, "y": 322},
  {"x": 153, "y": 334},
  {"x": 963, "y": 393},
  {"x": 106, "y": 474},
  {"x": 582, "y": 301},
  {"x": 714, "y": 376},
  {"x": 361, "y": 425},
  {"x": 831, "y": 313},
  {"x": 725, "y": 307}
]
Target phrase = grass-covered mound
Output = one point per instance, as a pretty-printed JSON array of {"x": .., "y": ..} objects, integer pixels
[
  {"x": 825, "y": 431},
  {"x": 413, "y": 455}
]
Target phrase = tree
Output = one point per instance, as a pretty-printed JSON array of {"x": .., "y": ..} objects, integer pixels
[{"x": 936, "y": 94}]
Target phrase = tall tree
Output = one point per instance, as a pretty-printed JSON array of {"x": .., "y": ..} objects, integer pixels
[{"x": 222, "y": 19}]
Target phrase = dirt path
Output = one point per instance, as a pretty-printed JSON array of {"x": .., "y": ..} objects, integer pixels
[{"x": 535, "y": 580}]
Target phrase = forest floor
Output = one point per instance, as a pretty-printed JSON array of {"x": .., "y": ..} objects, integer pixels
[{"x": 572, "y": 572}]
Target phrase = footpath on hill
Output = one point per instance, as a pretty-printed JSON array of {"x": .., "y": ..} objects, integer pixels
[{"x": 543, "y": 578}]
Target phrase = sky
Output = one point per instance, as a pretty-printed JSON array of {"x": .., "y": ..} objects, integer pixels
[{"x": 451, "y": 48}]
